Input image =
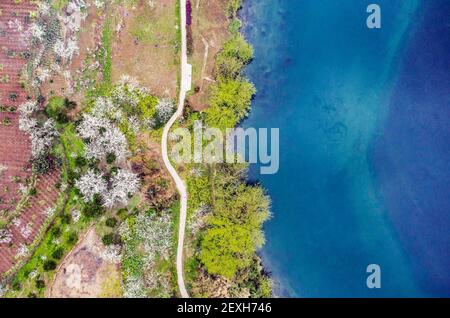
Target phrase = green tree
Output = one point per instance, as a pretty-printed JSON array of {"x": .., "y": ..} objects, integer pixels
[
  {"x": 235, "y": 233},
  {"x": 246, "y": 206},
  {"x": 225, "y": 249},
  {"x": 233, "y": 6},
  {"x": 199, "y": 190},
  {"x": 230, "y": 102},
  {"x": 235, "y": 55}
]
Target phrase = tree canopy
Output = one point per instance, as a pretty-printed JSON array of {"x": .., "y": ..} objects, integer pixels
[
  {"x": 229, "y": 103},
  {"x": 234, "y": 232},
  {"x": 235, "y": 55}
]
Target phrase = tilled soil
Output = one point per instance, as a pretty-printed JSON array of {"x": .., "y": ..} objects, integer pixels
[{"x": 15, "y": 145}]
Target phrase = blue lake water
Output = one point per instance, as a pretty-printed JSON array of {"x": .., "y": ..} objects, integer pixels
[{"x": 364, "y": 144}]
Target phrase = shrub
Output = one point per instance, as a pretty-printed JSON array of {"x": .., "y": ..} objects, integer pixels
[
  {"x": 111, "y": 222},
  {"x": 49, "y": 265},
  {"x": 55, "y": 106},
  {"x": 233, "y": 7},
  {"x": 72, "y": 238},
  {"x": 58, "y": 162},
  {"x": 122, "y": 214},
  {"x": 146, "y": 106},
  {"x": 16, "y": 285},
  {"x": 66, "y": 218},
  {"x": 72, "y": 176},
  {"x": 80, "y": 161},
  {"x": 150, "y": 212},
  {"x": 110, "y": 158},
  {"x": 235, "y": 26},
  {"x": 69, "y": 104},
  {"x": 42, "y": 164},
  {"x": 33, "y": 191},
  {"x": 190, "y": 41},
  {"x": 108, "y": 239},
  {"x": 93, "y": 208},
  {"x": 55, "y": 231},
  {"x": 26, "y": 273},
  {"x": 41, "y": 99},
  {"x": 92, "y": 164},
  {"x": 62, "y": 118},
  {"x": 40, "y": 283},
  {"x": 6, "y": 121},
  {"x": 58, "y": 253}
]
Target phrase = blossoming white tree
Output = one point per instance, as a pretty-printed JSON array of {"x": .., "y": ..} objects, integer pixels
[
  {"x": 112, "y": 253},
  {"x": 128, "y": 92},
  {"x": 28, "y": 108},
  {"x": 27, "y": 123},
  {"x": 104, "y": 138},
  {"x": 123, "y": 184},
  {"x": 155, "y": 233},
  {"x": 164, "y": 110},
  {"x": 90, "y": 184},
  {"x": 105, "y": 108},
  {"x": 42, "y": 74},
  {"x": 44, "y": 8},
  {"x": 15, "y": 24},
  {"x": 65, "y": 50},
  {"x": 49, "y": 212},
  {"x": 76, "y": 214},
  {"x": 36, "y": 31},
  {"x": 22, "y": 251},
  {"x": 41, "y": 135},
  {"x": 26, "y": 230}
]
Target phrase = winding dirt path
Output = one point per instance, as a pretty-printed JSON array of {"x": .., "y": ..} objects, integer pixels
[{"x": 185, "y": 86}]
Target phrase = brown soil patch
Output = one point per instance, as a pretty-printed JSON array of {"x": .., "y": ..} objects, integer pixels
[
  {"x": 159, "y": 188},
  {"x": 144, "y": 46},
  {"x": 210, "y": 31},
  {"x": 85, "y": 273}
]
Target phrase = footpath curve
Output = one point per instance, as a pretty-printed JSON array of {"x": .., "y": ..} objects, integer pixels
[{"x": 185, "y": 86}]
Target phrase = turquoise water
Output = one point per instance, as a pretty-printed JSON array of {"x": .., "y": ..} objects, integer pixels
[{"x": 328, "y": 83}]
